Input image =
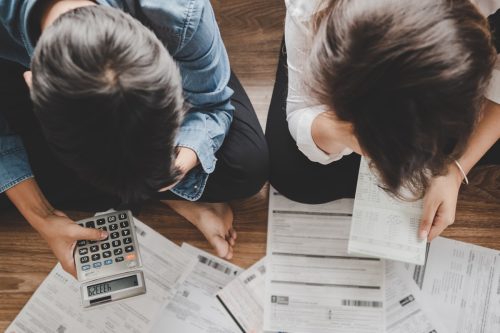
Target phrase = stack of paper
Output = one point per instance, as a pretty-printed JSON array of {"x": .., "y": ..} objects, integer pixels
[
  {"x": 383, "y": 226},
  {"x": 312, "y": 283},
  {"x": 308, "y": 283},
  {"x": 56, "y": 304}
]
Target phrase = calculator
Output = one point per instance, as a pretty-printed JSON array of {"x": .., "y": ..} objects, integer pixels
[{"x": 109, "y": 269}]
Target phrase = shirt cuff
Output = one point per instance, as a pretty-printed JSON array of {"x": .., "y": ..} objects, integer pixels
[
  {"x": 200, "y": 144},
  {"x": 14, "y": 165},
  {"x": 305, "y": 141}
]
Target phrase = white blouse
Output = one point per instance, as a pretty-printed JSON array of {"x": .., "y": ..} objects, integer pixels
[{"x": 301, "y": 109}]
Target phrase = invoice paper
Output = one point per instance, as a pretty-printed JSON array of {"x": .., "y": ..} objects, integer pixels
[
  {"x": 383, "y": 226},
  {"x": 406, "y": 307},
  {"x": 195, "y": 307},
  {"x": 312, "y": 283},
  {"x": 243, "y": 298},
  {"x": 463, "y": 283},
  {"x": 56, "y": 306}
]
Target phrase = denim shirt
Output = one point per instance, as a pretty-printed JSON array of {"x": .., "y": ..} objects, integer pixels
[{"x": 189, "y": 31}]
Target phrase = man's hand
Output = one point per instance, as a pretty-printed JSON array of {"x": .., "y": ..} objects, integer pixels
[
  {"x": 440, "y": 203},
  {"x": 185, "y": 161},
  {"x": 61, "y": 233}
]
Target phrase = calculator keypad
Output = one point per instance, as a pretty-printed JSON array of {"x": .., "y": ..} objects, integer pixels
[{"x": 117, "y": 248}]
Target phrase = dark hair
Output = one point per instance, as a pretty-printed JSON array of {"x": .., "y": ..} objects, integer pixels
[
  {"x": 409, "y": 75},
  {"x": 109, "y": 100}
]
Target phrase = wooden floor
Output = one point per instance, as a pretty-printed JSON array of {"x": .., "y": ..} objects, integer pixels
[{"x": 252, "y": 31}]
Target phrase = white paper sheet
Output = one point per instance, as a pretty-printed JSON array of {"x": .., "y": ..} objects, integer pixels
[
  {"x": 407, "y": 310},
  {"x": 195, "y": 307},
  {"x": 462, "y": 281},
  {"x": 56, "y": 306},
  {"x": 243, "y": 298},
  {"x": 383, "y": 226},
  {"x": 312, "y": 283}
]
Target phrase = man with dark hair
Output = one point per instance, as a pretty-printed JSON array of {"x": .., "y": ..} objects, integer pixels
[{"x": 129, "y": 101}]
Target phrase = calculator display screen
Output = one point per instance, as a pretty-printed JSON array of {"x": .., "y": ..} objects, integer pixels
[{"x": 113, "y": 285}]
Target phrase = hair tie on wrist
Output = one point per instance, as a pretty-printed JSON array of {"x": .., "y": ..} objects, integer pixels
[{"x": 466, "y": 180}]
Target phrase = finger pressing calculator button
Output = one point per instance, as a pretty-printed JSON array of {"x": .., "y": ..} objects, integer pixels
[
  {"x": 94, "y": 248},
  {"x": 115, "y": 234},
  {"x": 113, "y": 227},
  {"x": 118, "y": 259},
  {"x": 100, "y": 221},
  {"x": 117, "y": 252},
  {"x": 108, "y": 261},
  {"x": 129, "y": 248},
  {"x": 124, "y": 224},
  {"x": 81, "y": 243},
  {"x": 85, "y": 267},
  {"x": 116, "y": 243},
  {"x": 85, "y": 259},
  {"x": 111, "y": 218},
  {"x": 127, "y": 240},
  {"x": 105, "y": 246},
  {"x": 83, "y": 251},
  {"x": 106, "y": 254},
  {"x": 96, "y": 256},
  {"x": 90, "y": 224},
  {"x": 125, "y": 232},
  {"x": 122, "y": 216},
  {"x": 97, "y": 265}
]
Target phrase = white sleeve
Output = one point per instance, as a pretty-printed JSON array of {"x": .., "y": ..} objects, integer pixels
[
  {"x": 301, "y": 111},
  {"x": 488, "y": 7},
  {"x": 493, "y": 90}
]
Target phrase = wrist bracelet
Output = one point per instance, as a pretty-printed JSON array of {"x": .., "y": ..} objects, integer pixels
[{"x": 466, "y": 180}]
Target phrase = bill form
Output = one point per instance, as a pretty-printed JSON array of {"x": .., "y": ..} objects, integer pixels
[
  {"x": 383, "y": 226},
  {"x": 407, "y": 310},
  {"x": 243, "y": 298},
  {"x": 312, "y": 283},
  {"x": 56, "y": 306},
  {"x": 195, "y": 307},
  {"x": 463, "y": 283}
]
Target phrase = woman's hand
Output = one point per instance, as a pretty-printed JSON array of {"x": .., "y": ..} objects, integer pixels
[
  {"x": 332, "y": 135},
  {"x": 440, "y": 203}
]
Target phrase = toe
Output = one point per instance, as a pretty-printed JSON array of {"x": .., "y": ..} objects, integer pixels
[
  {"x": 233, "y": 234},
  {"x": 221, "y": 246}
]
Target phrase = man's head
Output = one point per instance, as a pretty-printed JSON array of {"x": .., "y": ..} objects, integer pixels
[
  {"x": 408, "y": 75},
  {"x": 109, "y": 100}
]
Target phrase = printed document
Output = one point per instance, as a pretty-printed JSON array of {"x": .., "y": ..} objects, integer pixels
[
  {"x": 383, "y": 226},
  {"x": 195, "y": 307},
  {"x": 312, "y": 283},
  {"x": 243, "y": 298},
  {"x": 56, "y": 305},
  {"x": 463, "y": 283},
  {"x": 406, "y": 307}
]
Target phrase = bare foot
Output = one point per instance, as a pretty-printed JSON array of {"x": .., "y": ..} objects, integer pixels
[{"x": 214, "y": 220}]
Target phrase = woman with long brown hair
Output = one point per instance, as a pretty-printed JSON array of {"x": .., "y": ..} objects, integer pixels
[{"x": 408, "y": 84}]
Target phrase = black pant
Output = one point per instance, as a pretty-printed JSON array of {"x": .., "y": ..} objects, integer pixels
[
  {"x": 241, "y": 170},
  {"x": 294, "y": 175}
]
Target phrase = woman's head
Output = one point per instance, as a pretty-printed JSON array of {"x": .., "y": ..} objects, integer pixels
[{"x": 408, "y": 75}]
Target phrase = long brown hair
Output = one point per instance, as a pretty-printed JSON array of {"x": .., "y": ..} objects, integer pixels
[{"x": 409, "y": 75}]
